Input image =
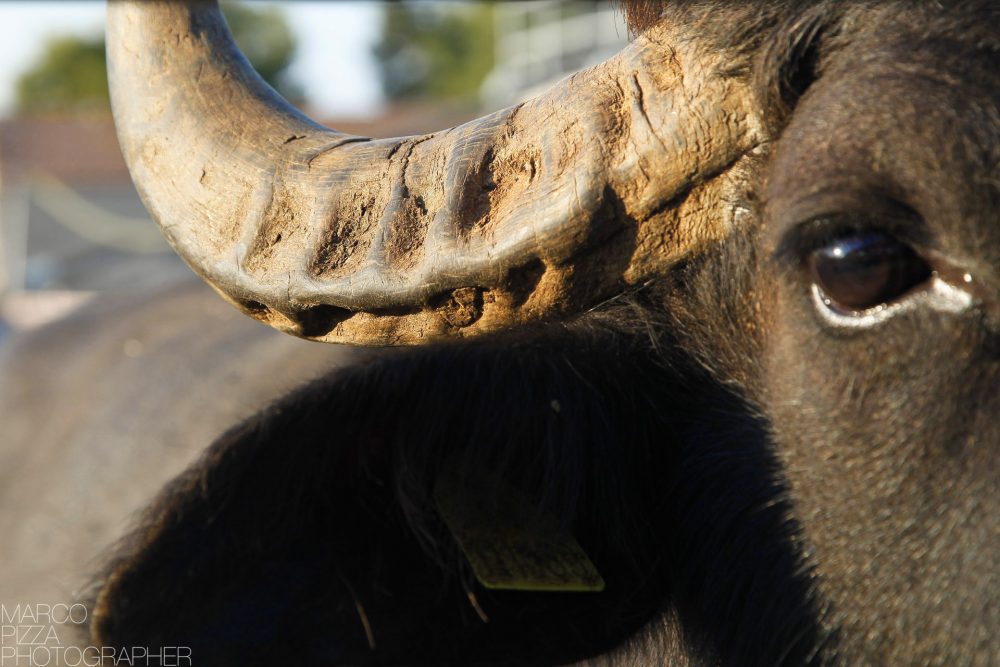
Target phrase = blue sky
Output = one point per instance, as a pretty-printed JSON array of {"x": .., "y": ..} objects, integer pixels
[{"x": 333, "y": 63}]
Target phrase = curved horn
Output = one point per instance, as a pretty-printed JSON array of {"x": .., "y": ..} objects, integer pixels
[{"x": 548, "y": 207}]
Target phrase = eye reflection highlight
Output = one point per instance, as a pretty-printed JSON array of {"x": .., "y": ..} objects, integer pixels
[{"x": 863, "y": 270}]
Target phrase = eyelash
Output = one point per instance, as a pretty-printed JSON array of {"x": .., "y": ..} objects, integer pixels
[{"x": 817, "y": 232}]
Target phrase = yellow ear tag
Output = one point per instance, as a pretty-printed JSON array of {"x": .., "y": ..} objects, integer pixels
[{"x": 509, "y": 543}]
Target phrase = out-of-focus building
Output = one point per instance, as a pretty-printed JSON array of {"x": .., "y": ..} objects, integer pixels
[
  {"x": 541, "y": 41},
  {"x": 69, "y": 210},
  {"x": 70, "y": 221}
]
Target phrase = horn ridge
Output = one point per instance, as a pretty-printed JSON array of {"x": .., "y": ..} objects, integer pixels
[{"x": 539, "y": 210}]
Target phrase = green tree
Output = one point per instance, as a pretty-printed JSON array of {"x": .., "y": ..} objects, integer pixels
[
  {"x": 434, "y": 50},
  {"x": 70, "y": 76},
  {"x": 268, "y": 43}
]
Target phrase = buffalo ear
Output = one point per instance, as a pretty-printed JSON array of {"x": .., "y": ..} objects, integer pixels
[{"x": 310, "y": 511}]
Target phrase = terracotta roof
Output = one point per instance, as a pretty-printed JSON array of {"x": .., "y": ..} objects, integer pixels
[
  {"x": 407, "y": 118},
  {"x": 80, "y": 150},
  {"x": 84, "y": 150}
]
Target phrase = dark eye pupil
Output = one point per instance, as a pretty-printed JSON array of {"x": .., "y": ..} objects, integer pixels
[{"x": 863, "y": 270}]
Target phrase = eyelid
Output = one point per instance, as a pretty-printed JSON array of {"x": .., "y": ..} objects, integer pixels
[
  {"x": 938, "y": 295},
  {"x": 820, "y": 230}
]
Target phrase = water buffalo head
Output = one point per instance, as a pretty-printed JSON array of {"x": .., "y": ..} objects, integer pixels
[{"x": 795, "y": 202}]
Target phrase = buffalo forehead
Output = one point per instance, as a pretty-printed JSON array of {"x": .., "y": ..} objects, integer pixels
[{"x": 908, "y": 126}]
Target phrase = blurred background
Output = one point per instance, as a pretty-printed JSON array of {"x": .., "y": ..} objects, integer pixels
[{"x": 71, "y": 224}]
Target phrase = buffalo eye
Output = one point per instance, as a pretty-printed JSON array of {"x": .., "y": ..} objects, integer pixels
[{"x": 860, "y": 270}]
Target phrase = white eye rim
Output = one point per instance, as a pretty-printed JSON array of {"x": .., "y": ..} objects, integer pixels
[{"x": 937, "y": 295}]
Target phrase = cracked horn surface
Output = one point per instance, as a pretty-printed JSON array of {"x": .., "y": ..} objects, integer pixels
[{"x": 543, "y": 209}]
